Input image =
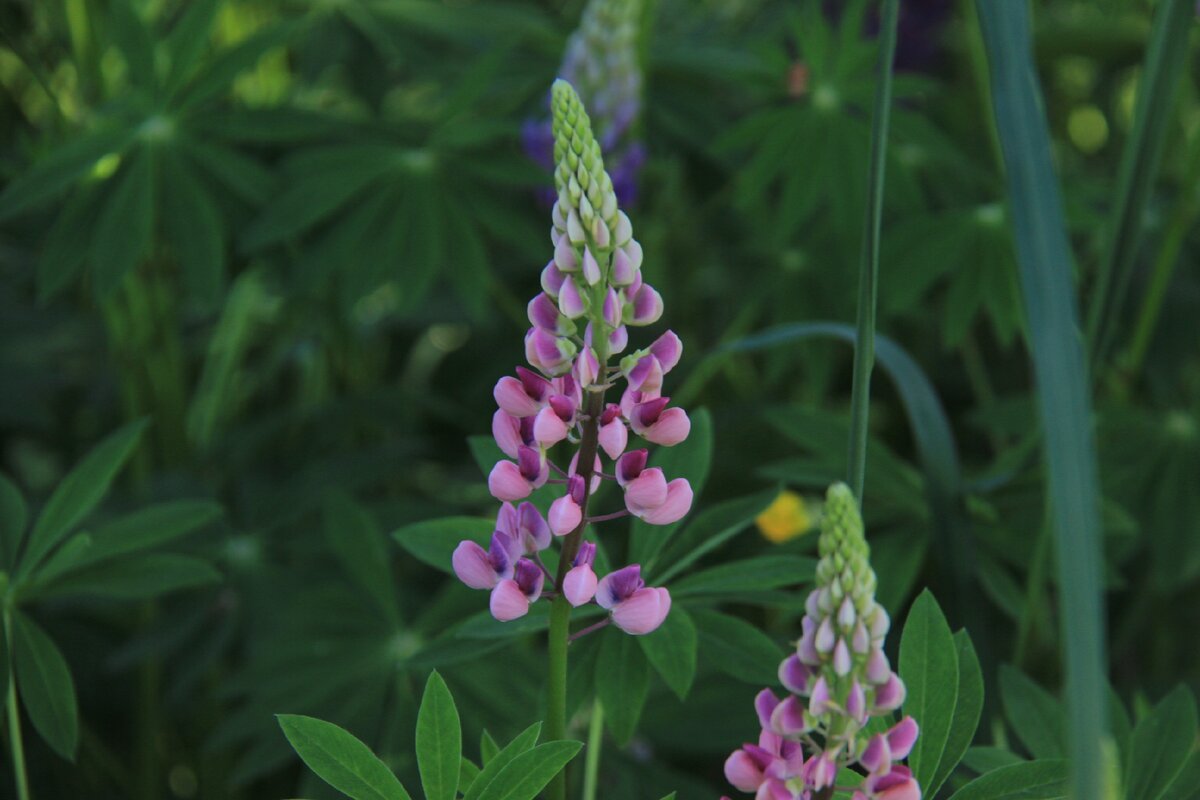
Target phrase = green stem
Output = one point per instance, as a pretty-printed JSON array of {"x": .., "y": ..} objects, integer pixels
[
  {"x": 560, "y": 611},
  {"x": 16, "y": 743},
  {"x": 591, "y": 769},
  {"x": 868, "y": 276}
]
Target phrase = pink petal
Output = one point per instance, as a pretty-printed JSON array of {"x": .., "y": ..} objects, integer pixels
[
  {"x": 507, "y": 483},
  {"x": 512, "y": 398},
  {"x": 645, "y": 308},
  {"x": 877, "y": 757},
  {"x": 668, "y": 349},
  {"x": 471, "y": 565},
  {"x": 552, "y": 280},
  {"x": 570, "y": 301},
  {"x": 742, "y": 772},
  {"x": 591, "y": 268},
  {"x": 613, "y": 438},
  {"x": 764, "y": 703},
  {"x": 902, "y": 737},
  {"x": 787, "y": 718},
  {"x": 549, "y": 428},
  {"x": 507, "y": 431},
  {"x": 508, "y": 602},
  {"x": 673, "y": 427},
  {"x": 643, "y": 611},
  {"x": 579, "y": 585},
  {"x": 565, "y": 515},
  {"x": 677, "y": 505},
  {"x": 647, "y": 491},
  {"x": 794, "y": 674},
  {"x": 890, "y": 695}
]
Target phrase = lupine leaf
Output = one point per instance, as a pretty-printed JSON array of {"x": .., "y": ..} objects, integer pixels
[
  {"x": 495, "y": 759},
  {"x": 57, "y": 171},
  {"x": 986, "y": 759},
  {"x": 46, "y": 688},
  {"x": 13, "y": 518},
  {"x": 622, "y": 682},
  {"x": 1162, "y": 743},
  {"x": 439, "y": 741},
  {"x": 528, "y": 773},
  {"x": 133, "y": 39},
  {"x": 150, "y": 527},
  {"x": 433, "y": 541},
  {"x": 130, "y": 578},
  {"x": 79, "y": 492},
  {"x": 467, "y": 773},
  {"x": 929, "y": 668},
  {"x": 218, "y": 73},
  {"x": 1186, "y": 785},
  {"x": 194, "y": 228},
  {"x": 967, "y": 711},
  {"x": 187, "y": 39},
  {"x": 736, "y": 647},
  {"x": 672, "y": 651},
  {"x": 1036, "y": 716},
  {"x": 353, "y": 536},
  {"x": 125, "y": 228},
  {"x": 67, "y": 243},
  {"x": 690, "y": 459},
  {"x": 340, "y": 759},
  {"x": 1028, "y": 780},
  {"x": 748, "y": 575}
]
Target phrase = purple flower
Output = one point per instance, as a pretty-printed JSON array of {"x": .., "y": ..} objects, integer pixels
[{"x": 635, "y": 608}]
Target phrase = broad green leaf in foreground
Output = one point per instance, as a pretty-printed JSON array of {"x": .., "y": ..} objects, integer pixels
[
  {"x": 341, "y": 760},
  {"x": 439, "y": 741},
  {"x": 929, "y": 668}
]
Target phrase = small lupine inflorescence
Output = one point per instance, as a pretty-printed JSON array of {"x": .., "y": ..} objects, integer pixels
[
  {"x": 601, "y": 62},
  {"x": 593, "y": 292},
  {"x": 837, "y": 680}
]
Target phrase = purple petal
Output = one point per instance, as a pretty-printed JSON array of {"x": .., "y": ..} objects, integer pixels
[
  {"x": 471, "y": 565},
  {"x": 508, "y": 602}
]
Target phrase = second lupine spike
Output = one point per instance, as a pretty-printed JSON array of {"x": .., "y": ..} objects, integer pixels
[
  {"x": 837, "y": 679},
  {"x": 594, "y": 277}
]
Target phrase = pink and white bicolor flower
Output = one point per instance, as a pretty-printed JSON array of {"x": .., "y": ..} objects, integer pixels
[
  {"x": 897, "y": 784},
  {"x": 567, "y": 511},
  {"x": 517, "y": 480},
  {"x": 644, "y": 369},
  {"x": 511, "y": 433},
  {"x": 614, "y": 436},
  {"x": 634, "y": 607},
  {"x": 648, "y": 496},
  {"x": 526, "y": 526},
  {"x": 524, "y": 395},
  {"x": 511, "y": 597},
  {"x": 763, "y": 768},
  {"x": 885, "y": 748},
  {"x": 579, "y": 584},
  {"x": 483, "y": 569},
  {"x": 549, "y": 353},
  {"x": 656, "y": 423},
  {"x": 555, "y": 421}
]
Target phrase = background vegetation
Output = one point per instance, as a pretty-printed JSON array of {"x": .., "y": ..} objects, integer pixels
[{"x": 281, "y": 247}]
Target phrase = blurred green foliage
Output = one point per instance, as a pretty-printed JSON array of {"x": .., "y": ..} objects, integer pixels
[{"x": 298, "y": 237}]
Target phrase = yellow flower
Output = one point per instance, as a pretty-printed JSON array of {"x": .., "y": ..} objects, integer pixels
[{"x": 786, "y": 518}]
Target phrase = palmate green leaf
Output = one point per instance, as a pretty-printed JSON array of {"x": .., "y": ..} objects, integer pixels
[
  {"x": 710, "y": 529},
  {"x": 690, "y": 459},
  {"x": 1036, "y": 716},
  {"x": 439, "y": 741},
  {"x": 1064, "y": 405},
  {"x": 187, "y": 40},
  {"x": 929, "y": 668},
  {"x": 149, "y": 527},
  {"x": 433, "y": 541},
  {"x": 748, "y": 575},
  {"x": 467, "y": 264},
  {"x": 130, "y": 578},
  {"x": 343, "y": 243},
  {"x": 125, "y": 228},
  {"x": 527, "y": 774},
  {"x": 1162, "y": 744},
  {"x": 672, "y": 650},
  {"x": 355, "y": 539},
  {"x": 45, "y": 685},
  {"x": 132, "y": 37},
  {"x": 63, "y": 559},
  {"x": 340, "y": 759},
  {"x": 986, "y": 759},
  {"x": 67, "y": 243},
  {"x": 195, "y": 231},
  {"x": 218, "y": 73},
  {"x": 78, "y": 493},
  {"x": 736, "y": 647},
  {"x": 14, "y": 516},
  {"x": 967, "y": 711},
  {"x": 62, "y": 168},
  {"x": 243, "y": 176},
  {"x": 496, "y": 759},
  {"x": 622, "y": 683},
  {"x": 1028, "y": 780}
]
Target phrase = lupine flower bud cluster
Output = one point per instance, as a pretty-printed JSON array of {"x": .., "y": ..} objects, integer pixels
[
  {"x": 837, "y": 679},
  {"x": 592, "y": 293},
  {"x": 601, "y": 62}
]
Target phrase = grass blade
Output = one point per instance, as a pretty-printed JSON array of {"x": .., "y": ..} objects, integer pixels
[
  {"x": 1045, "y": 266},
  {"x": 868, "y": 276},
  {"x": 1166, "y": 61}
]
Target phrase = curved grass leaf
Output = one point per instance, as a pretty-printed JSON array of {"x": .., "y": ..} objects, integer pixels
[
  {"x": 672, "y": 651},
  {"x": 439, "y": 741},
  {"x": 929, "y": 667},
  {"x": 340, "y": 759},
  {"x": 433, "y": 541},
  {"x": 622, "y": 683},
  {"x": 78, "y": 493},
  {"x": 1028, "y": 780},
  {"x": 45, "y": 684},
  {"x": 1064, "y": 406},
  {"x": 528, "y": 773}
]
